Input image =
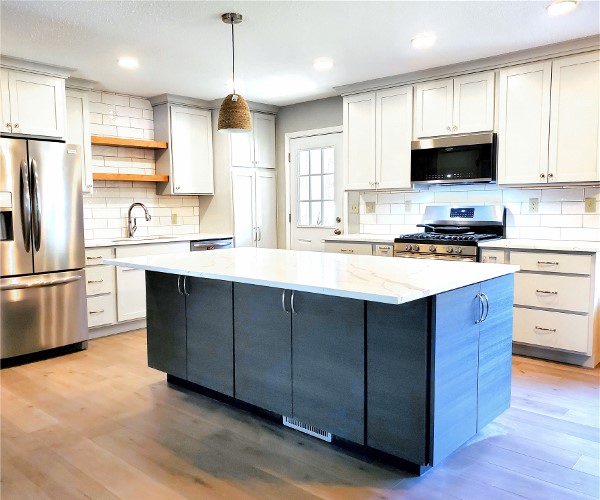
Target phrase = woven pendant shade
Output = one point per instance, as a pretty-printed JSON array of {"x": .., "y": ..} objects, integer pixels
[{"x": 234, "y": 115}]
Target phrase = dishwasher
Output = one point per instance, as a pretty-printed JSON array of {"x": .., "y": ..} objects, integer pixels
[{"x": 214, "y": 244}]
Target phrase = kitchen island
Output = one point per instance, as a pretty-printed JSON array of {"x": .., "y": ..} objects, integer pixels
[{"x": 403, "y": 357}]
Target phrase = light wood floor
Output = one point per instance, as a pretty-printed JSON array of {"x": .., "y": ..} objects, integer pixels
[{"x": 101, "y": 424}]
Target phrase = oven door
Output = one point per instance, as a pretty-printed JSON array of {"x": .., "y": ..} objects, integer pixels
[{"x": 436, "y": 256}]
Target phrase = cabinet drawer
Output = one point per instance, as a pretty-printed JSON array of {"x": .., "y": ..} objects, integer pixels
[
  {"x": 493, "y": 256},
  {"x": 552, "y": 262},
  {"x": 551, "y": 329},
  {"x": 384, "y": 250},
  {"x": 101, "y": 310},
  {"x": 568, "y": 293},
  {"x": 99, "y": 280},
  {"x": 95, "y": 256},
  {"x": 349, "y": 248}
]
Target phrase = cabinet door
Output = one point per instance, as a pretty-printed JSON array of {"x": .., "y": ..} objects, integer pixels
[
  {"x": 328, "y": 349},
  {"x": 455, "y": 354},
  {"x": 495, "y": 351},
  {"x": 191, "y": 150},
  {"x": 524, "y": 114},
  {"x": 574, "y": 119},
  {"x": 359, "y": 141},
  {"x": 131, "y": 294},
  {"x": 263, "y": 350},
  {"x": 78, "y": 132},
  {"x": 242, "y": 149},
  {"x": 473, "y": 109},
  {"x": 166, "y": 325},
  {"x": 242, "y": 190},
  {"x": 398, "y": 357},
  {"x": 209, "y": 320},
  {"x": 433, "y": 113},
  {"x": 265, "y": 209},
  {"x": 37, "y": 104},
  {"x": 264, "y": 140},
  {"x": 4, "y": 102},
  {"x": 393, "y": 132}
]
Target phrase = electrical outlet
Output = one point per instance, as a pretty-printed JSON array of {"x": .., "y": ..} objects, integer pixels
[
  {"x": 408, "y": 206},
  {"x": 353, "y": 208},
  {"x": 590, "y": 205},
  {"x": 534, "y": 205},
  {"x": 173, "y": 218},
  {"x": 370, "y": 207}
]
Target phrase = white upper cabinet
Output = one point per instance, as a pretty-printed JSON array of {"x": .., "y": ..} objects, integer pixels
[
  {"x": 574, "y": 119},
  {"x": 32, "y": 104},
  {"x": 461, "y": 105},
  {"x": 78, "y": 132},
  {"x": 548, "y": 127},
  {"x": 255, "y": 148},
  {"x": 377, "y": 135},
  {"x": 189, "y": 159},
  {"x": 524, "y": 113}
]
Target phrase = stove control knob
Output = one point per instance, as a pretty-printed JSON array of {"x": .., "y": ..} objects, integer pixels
[
  {"x": 449, "y": 249},
  {"x": 407, "y": 247},
  {"x": 459, "y": 250},
  {"x": 415, "y": 248},
  {"x": 432, "y": 248}
]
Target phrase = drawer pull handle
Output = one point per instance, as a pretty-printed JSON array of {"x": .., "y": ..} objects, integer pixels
[
  {"x": 94, "y": 258},
  {"x": 347, "y": 250},
  {"x": 547, "y": 292},
  {"x": 96, "y": 281},
  {"x": 97, "y": 312},
  {"x": 547, "y": 263},
  {"x": 551, "y": 330},
  {"x": 128, "y": 269}
]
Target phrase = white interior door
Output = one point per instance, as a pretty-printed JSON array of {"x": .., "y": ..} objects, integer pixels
[{"x": 316, "y": 190}]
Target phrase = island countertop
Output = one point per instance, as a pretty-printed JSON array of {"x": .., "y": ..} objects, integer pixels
[{"x": 378, "y": 279}]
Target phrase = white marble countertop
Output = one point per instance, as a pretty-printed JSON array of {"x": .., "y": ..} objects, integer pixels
[
  {"x": 526, "y": 244},
  {"x": 155, "y": 239},
  {"x": 363, "y": 238},
  {"x": 378, "y": 279}
]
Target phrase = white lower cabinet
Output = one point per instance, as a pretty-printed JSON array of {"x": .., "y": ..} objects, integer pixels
[
  {"x": 101, "y": 310},
  {"x": 100, "y": 287}
]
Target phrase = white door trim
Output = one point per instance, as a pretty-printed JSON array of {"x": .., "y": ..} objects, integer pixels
[{"x": 296, "y": 135}]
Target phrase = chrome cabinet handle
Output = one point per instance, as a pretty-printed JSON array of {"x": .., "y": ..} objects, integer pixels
[
  {"x": 94, "y": 258},
  {"x": 97, "y": 312},
  {"x": 454, "y": 128},
  {"x": 25, "y": 198},
  {"x": 346, "y": 250},
  {"x": 337, "y": 231},
  {"x": 185, "y": 290},
  {"x": 550, "y": 175},
  {"x": 36, "y": 216},
  {"x": 179, "y": 285},
  {"x": 448, "y": 128},
  {"x": 16, "y": 125},
  {"x": 96, "y": 281},
  {"x": 292, "y": 302},
  {"x": 551, "y": 330},
  {"x": 487, "y": 306},
  {"x": 258, "y": 233},
  {"x": 547, "y": 263},
  {"x": 481, "y": 318},
  {"x": 129, "y": 269},
  {"x": 547, "y": 292},
  {"x": 542, "y": 176},
  {"x": 283, "y": 302}
]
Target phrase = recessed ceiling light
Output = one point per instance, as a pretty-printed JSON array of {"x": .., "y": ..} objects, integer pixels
[
  {"x": 323, "y": 64},
  {"x": 561, "y": 7},
  {"x": 423, "y": 40},
  {"x": 128, "y": 62}
]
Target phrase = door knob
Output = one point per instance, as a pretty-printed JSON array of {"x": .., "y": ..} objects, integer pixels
[
  {"x": 337, "y": 231},
  {"x": 338, "y": 219}
]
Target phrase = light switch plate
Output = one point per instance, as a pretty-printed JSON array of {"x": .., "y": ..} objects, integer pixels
[
  {"x": 534, "y": 205},
  {"x": 353, "y": 208},
  {"x": 590, "y": 205},
  {"x": 173, "y": 218},
  {"x": 370, "y": 207}
]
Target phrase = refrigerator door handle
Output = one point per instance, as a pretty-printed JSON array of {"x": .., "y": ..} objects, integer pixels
[
  {"x": 25, "y": 206},
  {"x": 37, "y": 212},
  {"x": 39, "y": 284}
]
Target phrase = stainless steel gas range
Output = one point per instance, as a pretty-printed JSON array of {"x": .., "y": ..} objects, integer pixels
[{"x": 453, "y": 233}]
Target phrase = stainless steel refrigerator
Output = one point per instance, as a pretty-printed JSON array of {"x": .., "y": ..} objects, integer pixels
[{"x": 42, "y": 283}]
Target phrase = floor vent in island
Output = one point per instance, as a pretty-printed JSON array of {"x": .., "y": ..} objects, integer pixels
[{"x": 311, "y": 430}]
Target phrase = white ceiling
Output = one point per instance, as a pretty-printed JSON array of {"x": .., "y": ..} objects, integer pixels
[{"x": 184, "y": 48}]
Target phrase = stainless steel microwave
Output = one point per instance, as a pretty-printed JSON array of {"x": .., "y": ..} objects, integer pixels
[{"x": 457, "y": 159}]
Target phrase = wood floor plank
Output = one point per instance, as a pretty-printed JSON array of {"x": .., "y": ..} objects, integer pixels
[{"x": 101, "y": 424}]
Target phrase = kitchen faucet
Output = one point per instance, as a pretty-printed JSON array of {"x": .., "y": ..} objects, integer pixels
[{"x": 133, "y": 228}]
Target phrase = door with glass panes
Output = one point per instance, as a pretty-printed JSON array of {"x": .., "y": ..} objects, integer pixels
[{"x": 316, "y": 193}]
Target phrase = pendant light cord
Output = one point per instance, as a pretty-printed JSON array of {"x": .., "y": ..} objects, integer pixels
[{"x": 233, "y": 57}]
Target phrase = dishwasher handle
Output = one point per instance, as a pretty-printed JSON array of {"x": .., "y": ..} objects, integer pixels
[{"x": 210, "y": 245}]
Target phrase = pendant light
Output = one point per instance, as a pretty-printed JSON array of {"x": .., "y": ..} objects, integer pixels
[{"x": 234, "y": 114}]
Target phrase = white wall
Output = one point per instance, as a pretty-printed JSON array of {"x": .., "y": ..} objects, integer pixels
[
  {"x": 105, "y": 211},
  {"x": 561, "y": 214}
]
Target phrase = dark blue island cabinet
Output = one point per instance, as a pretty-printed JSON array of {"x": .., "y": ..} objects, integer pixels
[{"x": 414, "y": 381}]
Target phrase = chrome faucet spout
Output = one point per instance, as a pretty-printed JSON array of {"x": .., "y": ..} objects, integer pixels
[{"x": 133, "y": 227}]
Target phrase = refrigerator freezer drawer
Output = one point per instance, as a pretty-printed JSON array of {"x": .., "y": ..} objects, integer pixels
[{"x": 41, "y": 312}]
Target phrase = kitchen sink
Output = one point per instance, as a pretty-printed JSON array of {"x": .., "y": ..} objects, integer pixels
[{"x": 144, "y": 238}]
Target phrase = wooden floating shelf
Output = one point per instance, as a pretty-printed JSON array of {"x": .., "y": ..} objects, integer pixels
[
  {"x": 130, "y": 177},
  {"x": 99, "y": 140}
]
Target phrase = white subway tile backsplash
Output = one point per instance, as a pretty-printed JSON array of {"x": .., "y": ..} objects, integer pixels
[
  {"x": 580, "y": 233},
  {"x": 592, "y": 192},
  {"x": 104, "y": 150},
  {"x": 420, "y": 197},
  {"x": 141, "y": 123},
  {"x": 552, "y": 207},
  {"x": 129, "y": 112},
  {"x": 94, "y": 96},
  {"x": 119, "y": 121},
  {"x": 131, "y": 153},
  {"x": 390, "y": 198},
  {"x": 484, "y": 197},
  {"x": 138, "y": 102},
  {"x": 591, "y": 220},
  {"x": 450, "y": 197},
  {"x": 564, "y": 194},
  {"x": 382, "y": 208},
  {"x": 390, "y": 219},
  {"x": 149, "y": 135},
  {"x": 96, "y": 118},
  {"x": 520, "y": 195},
  {"x": 130, "y": 133},
  {"x": 119, "y": 100},
  {"x": 573, "y": 207},
  {"x": 109, "y": 130},
  {"x": 99, "y": 108},
  {"x": 148, "y": 114}
]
